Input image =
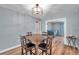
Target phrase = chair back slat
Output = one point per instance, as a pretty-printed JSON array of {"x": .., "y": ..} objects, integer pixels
[
  {"x": 49, "y": 41},
  {"x": 44, "y": 34},
  {"x": 23, "y": 41},
  {"x": 29, "y": 33}
]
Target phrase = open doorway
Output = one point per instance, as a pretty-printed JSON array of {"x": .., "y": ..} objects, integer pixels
[{"x": 56, "y": 27}]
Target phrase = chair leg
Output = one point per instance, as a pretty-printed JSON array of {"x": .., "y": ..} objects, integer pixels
[
  {"x": 26, "y": 52},
  {"x": 35, "y": 51},
  {"x": 31, "y": 51},
  {"x": 42, "y": 52},
  {"x": 50, "y": 51},
  {"x": 22, "y": 51},
  {"x": 46, "y": 52}
]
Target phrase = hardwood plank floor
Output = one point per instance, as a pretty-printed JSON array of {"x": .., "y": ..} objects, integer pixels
[{"x": 58, "y": 48}]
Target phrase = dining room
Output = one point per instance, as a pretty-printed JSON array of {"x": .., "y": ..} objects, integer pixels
[{"x": 24, "y": 29}]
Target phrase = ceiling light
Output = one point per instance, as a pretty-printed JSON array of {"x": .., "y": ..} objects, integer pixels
[{"x": 37, "y": 10}]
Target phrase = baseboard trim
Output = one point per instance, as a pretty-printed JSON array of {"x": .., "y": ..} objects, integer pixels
[{"x": 9, "y": 48}]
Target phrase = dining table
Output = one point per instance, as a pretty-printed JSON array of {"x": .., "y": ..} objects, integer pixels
[{"x": 36, "y": 39}]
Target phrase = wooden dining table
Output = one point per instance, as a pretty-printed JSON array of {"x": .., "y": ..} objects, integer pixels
[{"x": 36, "y": 39}]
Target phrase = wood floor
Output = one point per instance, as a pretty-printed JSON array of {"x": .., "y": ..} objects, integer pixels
[{"x": 58, "y": 48}]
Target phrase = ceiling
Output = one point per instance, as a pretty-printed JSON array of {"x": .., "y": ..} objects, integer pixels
[{"x": 53, "y": 9}]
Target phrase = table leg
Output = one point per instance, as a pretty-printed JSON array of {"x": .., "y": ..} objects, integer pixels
[
  {"x": 36, "y": 50},
  {"x": 74, "y": 40},
  {"x": 68, "y": 40}
]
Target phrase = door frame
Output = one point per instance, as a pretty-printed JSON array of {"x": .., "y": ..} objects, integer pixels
[{"x": 57, "y": 20}]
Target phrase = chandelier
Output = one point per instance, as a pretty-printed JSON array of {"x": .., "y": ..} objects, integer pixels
[{"x": 37, "y": 10}]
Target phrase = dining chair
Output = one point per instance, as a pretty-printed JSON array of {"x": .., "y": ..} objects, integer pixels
[
  {"x": 44, "y": 33},
  {"x": 27, "y": 46},
  {"x": 29, "y": 33},
  {"x": 46, "y": 45}
]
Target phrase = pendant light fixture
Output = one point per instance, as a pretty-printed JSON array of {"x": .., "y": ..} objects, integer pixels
[{"x": 37, "y": 10}]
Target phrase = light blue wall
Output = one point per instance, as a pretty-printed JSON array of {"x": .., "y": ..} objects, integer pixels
[
  {"x": 12, "y": 25},
  {"x": 72, "y": 23}
]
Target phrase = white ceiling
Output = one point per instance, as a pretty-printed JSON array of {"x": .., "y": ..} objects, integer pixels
[{"x": 52, "y": 10}]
